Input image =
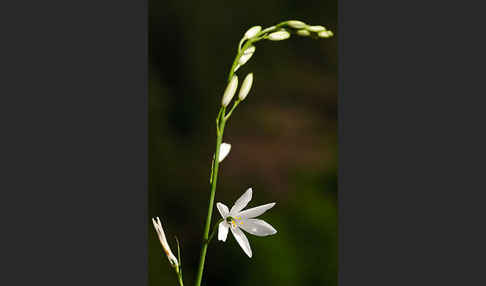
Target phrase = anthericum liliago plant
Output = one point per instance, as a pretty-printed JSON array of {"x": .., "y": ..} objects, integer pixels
[{"x": 236, "y": 219}]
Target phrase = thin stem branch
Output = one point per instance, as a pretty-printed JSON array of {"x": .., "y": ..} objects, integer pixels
[
  {"x": 215, "y": 228},
  {"x": 231, "y": 110}
]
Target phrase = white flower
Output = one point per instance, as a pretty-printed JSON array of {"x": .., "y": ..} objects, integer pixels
[
  {"x": 230, "y": 91},
  {"x": 252, "y": 32},
  {"x": 245, "y": 86},
  {"x": 224, "y": 150},
  {"x": 165, "y": 245},
  {"x": 235, "y": 219},
  {"x": 279, "y": 35}
]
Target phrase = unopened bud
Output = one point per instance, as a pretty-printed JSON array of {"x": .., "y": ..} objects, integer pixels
[
  {"x": 296, "y": 24},
  {"x": 224, "y": 150},
  {"x": 253, "y": 31},
  {"x": 246, "y": 55},
  {"x": 325, "y": 34},
  {"x": 279, "y": 35},
  {"x": 303, "y": 33},
  {"x": 230, "y": 91},
  {"x": 245, "y": 86},
  {"x": 316, "y": 29}
]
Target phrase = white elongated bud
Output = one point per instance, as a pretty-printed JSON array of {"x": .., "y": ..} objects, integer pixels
[
  {"x": 245, "y": 86},
  {"x": 224, "y": 150},
  {"x": 165, "y": 245},
  {"x": 244, "y": 58},
  {"x": 253, "y": 31},
  {"x": 230, "y": 91},
  {"x": 279, "y": 35},
  {"x": 246, "y": 55},
  {"x": 316, "y": 29},
  {"x": 325, "y": 34},
  {"x": 303, "y": 33},
  {"x": 296, "y": 24}
]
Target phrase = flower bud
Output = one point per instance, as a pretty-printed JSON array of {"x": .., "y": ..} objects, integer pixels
[
  {"x": 303, "y": 33},
  {"x": 245, "y": 86},
  {"x": 325, "y": 34},
  {"x": 252, "y": 32},
  {"x": 224, "y": 150},
  {"x": 246, "y": 55},
  {"x": 279, "y": 35},
  {"x": 316, "y": 28},
  {"x": 296, "y": 24},
  {"x": 230, "y": 91}
]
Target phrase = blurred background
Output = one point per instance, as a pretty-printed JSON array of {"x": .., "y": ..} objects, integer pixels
[{"x": 283, "y": 136}]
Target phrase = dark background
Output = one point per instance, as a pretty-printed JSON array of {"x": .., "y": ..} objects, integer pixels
[{"x": 284, "y": 139}]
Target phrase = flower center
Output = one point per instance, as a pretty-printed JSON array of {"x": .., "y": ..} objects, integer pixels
[{"x": 234, "y": 221}]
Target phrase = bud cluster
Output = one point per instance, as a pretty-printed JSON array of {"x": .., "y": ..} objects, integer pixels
[
  {"x": 232, "y": 86},
  {"x": 304, "y": 30},
  {"x": 246, "y": 49}
]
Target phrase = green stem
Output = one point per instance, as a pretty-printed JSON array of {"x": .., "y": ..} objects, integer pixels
[
  {"x": 214, "y": 181},
  {"x": 220, "y": 123},
  {"x": 231, "y": 110},
  {"x": 179, "y": 278}
]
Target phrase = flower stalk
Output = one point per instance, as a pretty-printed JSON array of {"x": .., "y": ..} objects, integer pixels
[
  {"x": 220, "y": 121},
  {"x": 237, "y": 218},
  {"x": 245, "y": 51}
]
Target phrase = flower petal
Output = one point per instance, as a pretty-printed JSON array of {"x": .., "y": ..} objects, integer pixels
[
  {"x": 257, "y": 227},
  {"x": 241, "y": 202},
  {"x": 242, "y": 240},
  {"x": 163, "y": 240},
  {"x": 256, "y": 211},
  {"x": 223, "y": 210},
  {"x": 160, "y": 232},
  {"x": 223, "y": 230}
]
